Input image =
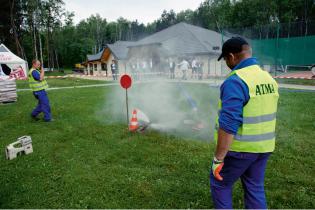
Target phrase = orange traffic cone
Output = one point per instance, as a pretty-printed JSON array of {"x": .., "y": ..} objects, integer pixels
[{"x": 134, "y": 124}]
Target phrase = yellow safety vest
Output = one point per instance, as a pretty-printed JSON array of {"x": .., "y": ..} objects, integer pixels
[
  {"x": 257, "y": 133},
  {"x": 34, "y": 84}
]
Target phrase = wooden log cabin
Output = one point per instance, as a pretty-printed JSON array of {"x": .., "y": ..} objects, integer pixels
[{"x": 98, "y": 64}]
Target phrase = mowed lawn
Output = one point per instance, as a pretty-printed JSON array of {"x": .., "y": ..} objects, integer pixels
[
  {"x": 79, "y": 161},
  {"x": 62, "y": 82}
]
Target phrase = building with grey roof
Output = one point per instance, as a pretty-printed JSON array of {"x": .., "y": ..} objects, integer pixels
[{"x": 178, "y": 41}]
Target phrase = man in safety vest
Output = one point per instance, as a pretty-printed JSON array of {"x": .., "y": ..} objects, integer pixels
[
  {"x": 245, "y": 128},
  {"x": 38, "y": 85}
]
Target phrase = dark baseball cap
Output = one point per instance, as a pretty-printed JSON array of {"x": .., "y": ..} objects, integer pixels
[{"x": 233, "y": 45}]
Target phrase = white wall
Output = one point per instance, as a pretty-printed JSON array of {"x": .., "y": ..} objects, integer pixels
[
  {"x": 211, "y": 67},
  {"x": 218, "y": 68}
]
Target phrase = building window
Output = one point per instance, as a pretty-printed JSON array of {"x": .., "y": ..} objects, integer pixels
[
  {"x": 95, "y": 67},
  {"x": 104, "y": 66},
  {"x": 91, "y": 66}
]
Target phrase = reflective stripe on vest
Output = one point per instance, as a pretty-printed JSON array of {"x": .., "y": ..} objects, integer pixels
[
  {"x": 34, "y": 84},
  {"x": 259, "y": 119},
  {"x": 259, "y": 137},
  {"x": 257, "y": 132},
  {"x": 249, "y": 138}
]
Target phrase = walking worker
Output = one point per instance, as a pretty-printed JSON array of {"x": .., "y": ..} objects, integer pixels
[
  {"x": 184, "y": 66},
  {"x": 38, "y": 85},
  {"x": 245, "y": 128}
]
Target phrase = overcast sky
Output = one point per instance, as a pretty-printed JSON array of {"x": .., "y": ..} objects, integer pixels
[{"x": 143, "y": 10}]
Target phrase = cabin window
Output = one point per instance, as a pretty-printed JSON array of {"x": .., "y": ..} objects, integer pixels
[{"x": 95, "y": 67}]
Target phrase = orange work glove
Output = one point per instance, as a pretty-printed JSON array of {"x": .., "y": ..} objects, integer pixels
[{"x": 216, "y": 168}]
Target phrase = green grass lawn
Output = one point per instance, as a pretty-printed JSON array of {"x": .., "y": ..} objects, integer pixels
[
  {"x": 82, "y": 161},
  {"x": 297, "y": 81},
  {"x": 63, "y": 72},
  {"x": 62, "y": 82}
]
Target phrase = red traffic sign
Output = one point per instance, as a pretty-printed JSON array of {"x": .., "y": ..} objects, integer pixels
[{"x": 125, "y": 81}]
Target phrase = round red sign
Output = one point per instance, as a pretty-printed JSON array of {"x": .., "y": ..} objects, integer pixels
[{"x": 125, "y": 81}]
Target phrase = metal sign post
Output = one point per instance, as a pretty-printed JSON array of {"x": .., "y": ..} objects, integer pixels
[
  {"x": 125, "y": 82},
  {"x": 127, "y": 107}
]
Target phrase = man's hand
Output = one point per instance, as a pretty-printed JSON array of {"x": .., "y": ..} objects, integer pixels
[{"x": 216, "y": 168}]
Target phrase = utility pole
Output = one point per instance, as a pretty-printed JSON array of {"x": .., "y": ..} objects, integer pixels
[{"x": 276, "y": 20}]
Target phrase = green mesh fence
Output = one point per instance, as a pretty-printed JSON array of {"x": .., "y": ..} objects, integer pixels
[
  {"x": 280, "y": 47},
  {"x": 285, "y": 51}
]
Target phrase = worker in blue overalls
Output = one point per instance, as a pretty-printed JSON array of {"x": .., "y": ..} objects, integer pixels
[
  {"x": 245, "y": 128},
  {"x": 38, "y": 85}
]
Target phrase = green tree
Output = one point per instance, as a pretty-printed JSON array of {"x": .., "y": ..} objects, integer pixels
[{"x": 167, "y": 19}]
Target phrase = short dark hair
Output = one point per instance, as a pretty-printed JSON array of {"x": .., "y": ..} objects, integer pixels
[{"x": 34, "y": 61}]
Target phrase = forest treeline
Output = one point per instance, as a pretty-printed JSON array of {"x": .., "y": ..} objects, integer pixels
[{"x": 43, "y": 29}]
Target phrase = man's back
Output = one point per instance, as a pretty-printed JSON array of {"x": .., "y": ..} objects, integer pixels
[{"x": 245, "y": 128}]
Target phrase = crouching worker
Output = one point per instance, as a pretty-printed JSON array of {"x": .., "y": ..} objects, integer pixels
[{"x": 38, "y": 85}]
